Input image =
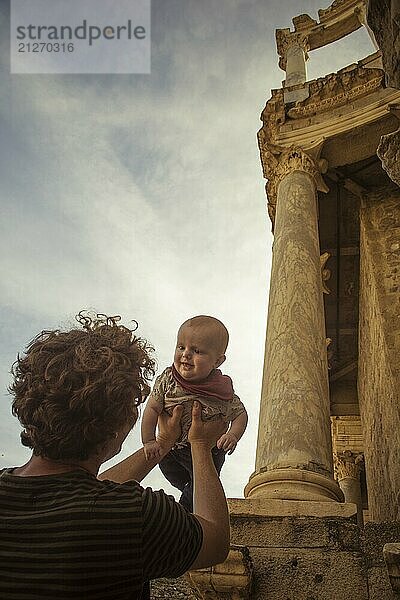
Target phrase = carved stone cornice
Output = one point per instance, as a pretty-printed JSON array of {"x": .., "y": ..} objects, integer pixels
[
  {"x": 285, "y": 39},
  {"x": 273, "y": 116},
  {"x": 230, "y": 579},
  {"x": 389, "y": 150},
  {"x": 278, "y": 162},
  {"x": 334, "y": 9},
  {"x": 348, "y": 464},
  {"x": 370, "y": 105},
  {"x": 341, "y": 18},
  {"x": 304, "y": 23},
  {"x": 338, "y": 89},
  {"x": 359, "y": 113}
]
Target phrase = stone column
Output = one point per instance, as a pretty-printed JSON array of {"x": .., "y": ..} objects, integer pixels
[
  {"x": 295, "y": 65},
  {"x": 348, "y": 467},
  {"x": 292, "y": 49},
  {"x": 294, "y": 449}
]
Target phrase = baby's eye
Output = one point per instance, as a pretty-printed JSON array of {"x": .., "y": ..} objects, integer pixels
[
  {"x": 197, "y": 351},
  {"x": 180, "y": 347}
]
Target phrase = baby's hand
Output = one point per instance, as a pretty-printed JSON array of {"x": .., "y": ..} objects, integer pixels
[
  {"x": 228, "y": 442},
  {"x": 152, "y": 450}
]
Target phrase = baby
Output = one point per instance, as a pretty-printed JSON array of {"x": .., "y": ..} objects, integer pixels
[{"x": 200, "y": 350}]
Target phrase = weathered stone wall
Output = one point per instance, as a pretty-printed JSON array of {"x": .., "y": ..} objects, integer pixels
[
  {"x": 384, "y": 20},
  {"x": 373, "y": 538},
  {"x": 303, "y": 558},
  {"x": 379, "y": 364}
]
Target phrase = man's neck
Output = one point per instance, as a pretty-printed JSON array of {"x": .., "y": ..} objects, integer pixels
[{"x": 40, "y": 465}]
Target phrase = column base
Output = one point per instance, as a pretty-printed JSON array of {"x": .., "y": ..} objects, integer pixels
[{"x": 293, "y": 484}]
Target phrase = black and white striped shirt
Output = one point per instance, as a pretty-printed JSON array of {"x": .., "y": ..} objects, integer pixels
[{"x": 71, "y": 535}]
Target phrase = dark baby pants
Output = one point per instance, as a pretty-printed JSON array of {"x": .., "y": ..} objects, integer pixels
[{"x": 178, "y": 469}]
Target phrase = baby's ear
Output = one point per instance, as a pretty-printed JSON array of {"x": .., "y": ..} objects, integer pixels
[{"x": 220, "y": 360}]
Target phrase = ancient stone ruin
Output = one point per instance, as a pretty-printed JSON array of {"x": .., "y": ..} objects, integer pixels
[{"x": 321, "y": 515}]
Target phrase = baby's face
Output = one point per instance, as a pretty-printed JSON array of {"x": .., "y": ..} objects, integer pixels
[{"x": 195, "y": 353}]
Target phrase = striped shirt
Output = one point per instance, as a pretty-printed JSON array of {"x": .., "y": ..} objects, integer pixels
[{"x": 70, "y": 536}]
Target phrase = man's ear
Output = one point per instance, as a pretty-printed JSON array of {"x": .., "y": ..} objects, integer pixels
[{"x": 220, "y": 360}]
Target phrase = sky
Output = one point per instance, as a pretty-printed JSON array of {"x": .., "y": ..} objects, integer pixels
[{"x": 143, "y": 196}]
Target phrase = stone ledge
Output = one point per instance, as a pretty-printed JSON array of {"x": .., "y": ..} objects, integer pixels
[{"x": 259, "y": 507}]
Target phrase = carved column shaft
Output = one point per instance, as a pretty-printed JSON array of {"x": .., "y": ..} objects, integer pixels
[
  {"x": 296, "y": 72},
  {"x": 292, "y": 48},
  {"x": 294, "y": 453}
]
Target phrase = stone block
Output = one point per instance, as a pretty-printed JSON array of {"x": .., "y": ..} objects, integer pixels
[
  {"x": 374, "y": 537},
  {"x": 294, "y": 532},
  {"x": 293, "y": 524},
  {"x": 230, "y": 580},
  {"x": 373, "y": 540},
  {"x": 304, "y": 574},
  {"x": 391, "y": 554},
  {"x": 379, "y": 587}
]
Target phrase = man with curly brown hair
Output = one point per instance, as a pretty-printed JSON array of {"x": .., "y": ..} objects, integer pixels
[{"x": 64, "y": 531}]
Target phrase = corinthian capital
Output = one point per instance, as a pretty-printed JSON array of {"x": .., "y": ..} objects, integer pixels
[
  {"x": 348, "y": 464},
  {"x": 285, "y": 39},
  {"x": 279, "y": 162}
]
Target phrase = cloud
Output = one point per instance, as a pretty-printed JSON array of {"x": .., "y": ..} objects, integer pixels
[{"x": 142, "y": 195}]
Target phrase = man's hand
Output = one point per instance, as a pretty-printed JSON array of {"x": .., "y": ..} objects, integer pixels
[
  {"x": 205, "y": 432},
  {"x": 169, "y": 427},
  {"x": 228, "y": 442}
]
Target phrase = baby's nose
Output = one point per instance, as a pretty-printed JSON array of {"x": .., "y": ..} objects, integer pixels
[{"x": 186, "y": 352}]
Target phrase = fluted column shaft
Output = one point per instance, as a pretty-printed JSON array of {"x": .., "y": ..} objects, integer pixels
[{"x": 294, "y": 453}]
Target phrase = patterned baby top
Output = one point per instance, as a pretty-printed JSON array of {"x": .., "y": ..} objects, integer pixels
[{"x": 168, "y": 393}]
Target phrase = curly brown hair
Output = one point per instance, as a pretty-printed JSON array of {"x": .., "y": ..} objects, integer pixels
[{"x": 74, "y": 390}]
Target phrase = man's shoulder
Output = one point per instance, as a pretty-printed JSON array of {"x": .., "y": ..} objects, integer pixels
[{"x": 106, "y": 486}]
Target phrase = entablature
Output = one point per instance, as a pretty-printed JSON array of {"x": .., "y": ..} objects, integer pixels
[
  {"x": 341, "y": 18},
  {"x": 338, "y": 102}
]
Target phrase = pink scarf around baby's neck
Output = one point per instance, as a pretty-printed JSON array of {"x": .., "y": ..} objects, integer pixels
[{"x": 216, "y": 384}]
